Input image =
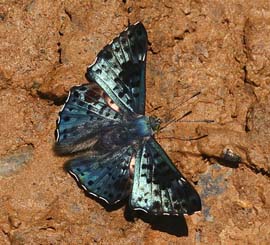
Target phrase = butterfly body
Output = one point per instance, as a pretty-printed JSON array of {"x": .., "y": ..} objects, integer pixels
[
  {"x": 106, "y": 138},
  {"x": 126, "y": 133}
]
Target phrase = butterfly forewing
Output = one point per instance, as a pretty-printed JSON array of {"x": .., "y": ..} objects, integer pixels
[
  {"x": 104, "y": 176},
  {"x": 158, "y": 187},
  {"x": 120, "y": 69},
  {"x": 82, "y": 119}
]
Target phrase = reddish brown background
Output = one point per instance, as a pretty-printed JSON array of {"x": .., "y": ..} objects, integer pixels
[{"x": 221, "y": 48}]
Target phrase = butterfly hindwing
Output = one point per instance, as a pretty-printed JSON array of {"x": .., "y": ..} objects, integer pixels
[
  {"x": 120, "y": 69},
  {"x": 82, "y": 119},
  {"x": 158, "y": 187},
  {"x": 104, "y": 176}
]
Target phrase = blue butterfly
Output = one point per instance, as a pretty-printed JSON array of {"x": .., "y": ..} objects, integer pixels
[{"x": 105, "y": 125}]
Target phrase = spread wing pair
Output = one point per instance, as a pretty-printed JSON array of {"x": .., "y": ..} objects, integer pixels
[{"x": 118, "y": 73}]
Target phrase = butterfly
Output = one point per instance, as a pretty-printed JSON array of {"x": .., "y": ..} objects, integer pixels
[{"x": 104, "y": 124}]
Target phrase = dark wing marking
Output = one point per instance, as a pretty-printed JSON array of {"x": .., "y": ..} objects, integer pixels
[
  {"x": 158, "y": 187},
  {"x": 119, "y": 69},
  {"x": 106, "y": 176},
  {"x": 82, "y": 119}
]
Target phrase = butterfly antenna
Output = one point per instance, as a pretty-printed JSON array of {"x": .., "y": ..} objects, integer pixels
[
  {"x": 183, "y": 116},
  {"x": 180, "y": 120},
  {"x": 185, "y": 101},
  {"x": 203, "y": 121},
  {"x": 155, "y": 109},
  {"x": 174, "y": 120},
  {"x": 185, "y": 139},
  {"x": 181, "y": 104}
]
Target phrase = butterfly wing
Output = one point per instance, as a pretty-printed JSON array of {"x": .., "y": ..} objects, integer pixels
[
  {"x": 106, "y": 176},
  {"x": 82, "y": 119},
  {"x": 158, "y": 187},
  {"x": 119, "y": 69}
]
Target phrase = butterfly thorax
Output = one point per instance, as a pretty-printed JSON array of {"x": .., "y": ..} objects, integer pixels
[{"x": 144, "y": 126}]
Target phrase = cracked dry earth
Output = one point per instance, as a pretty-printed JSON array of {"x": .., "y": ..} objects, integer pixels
[{"x": 220, "y": 48}]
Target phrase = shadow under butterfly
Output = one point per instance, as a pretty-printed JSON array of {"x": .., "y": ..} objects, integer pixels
[{"x": 104, "y": 124}]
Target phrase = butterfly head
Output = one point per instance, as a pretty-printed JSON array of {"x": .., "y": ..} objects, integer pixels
[{"x": 155, "y": 123}]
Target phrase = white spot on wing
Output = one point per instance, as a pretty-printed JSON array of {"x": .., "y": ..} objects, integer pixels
[
  {"x": 57, "y": 135},
  {"x": 143, "y": 57},
  {"x": 116, "y": 201},
  {"x": 93, "y": 63},
  {"x": 93, "y": 194},
  {"x": 140, "y": 209},
  {"x": 102, "y": 198},
  {"x": 58, "y": 119},
  {"x": 183, "y": 179},
  {"x": 75, "y": 176},
  {"x": 62, "y": 108}
]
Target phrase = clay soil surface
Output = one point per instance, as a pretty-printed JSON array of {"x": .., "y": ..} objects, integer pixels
[{"x": 218, "y": 48}]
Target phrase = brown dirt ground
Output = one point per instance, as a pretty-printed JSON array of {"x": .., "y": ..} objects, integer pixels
[{"x": 221, "y": 48}]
